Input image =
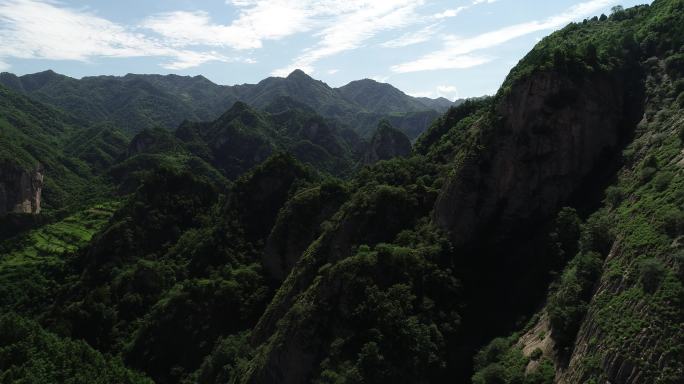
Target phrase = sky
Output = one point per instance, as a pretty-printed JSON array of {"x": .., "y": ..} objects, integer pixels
[{"x": 434, "y": 48}]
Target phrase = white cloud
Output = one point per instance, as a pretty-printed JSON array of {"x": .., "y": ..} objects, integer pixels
[
  {"x": 447, "y": 91},
  {"x": 450, "y": 12},
  {"x": 379, "y": 78},
  {"x": 354, "y": 22},
  {"x": 429, "y": 31},
  {"x": 456, "y": 51},
  {"x": 31, "y": 29},
  {"x": 4, "y": 66},
  {"x": 263, "y": 20},
  {"x": 45, "y": 29},
  {"x": 332, "y": 71},
  {"x": 440, "y": 60},
  {"x": 444, "y": 90},
  {"x": 190, "y": 59},
  {"x": 339, "y": 25},
  {"x": 411, "y": 38}
]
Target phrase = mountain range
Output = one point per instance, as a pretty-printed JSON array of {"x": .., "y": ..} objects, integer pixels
[
  {"x": 532, "y": 237},
  {"x": 135, "y": 102}
]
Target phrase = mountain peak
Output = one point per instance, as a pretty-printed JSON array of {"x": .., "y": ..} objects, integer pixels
[
  {"x": 240, "y": 110},
  {"x": 240, "y": 106},
  {"x": 298, "y": 74}
]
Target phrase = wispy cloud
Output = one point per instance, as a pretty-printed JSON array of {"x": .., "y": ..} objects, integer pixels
[
  {"x": 353, "y": 22},
  {"x": 456, "y": 52},
  {"x": 426, "y": 33},
  {"x": 411, "y": 38},
  {"x": 340, "y": 25},
  {"x": 31, "y": 29},
  {"x": 257, "y": 21},
  {"x": 441, "y": 60},
  {"x": 447, "y": 91},
  {"x": 332, "y": 71}
]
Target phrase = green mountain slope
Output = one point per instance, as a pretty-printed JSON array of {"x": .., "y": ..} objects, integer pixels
[
  {"x": 131, "y": 102},
  {"x": 42, "y": 145},
  {"x": 530, "y": 237},
  {"x": 135, "y": 102},
  {"x": 553, "y": 136},
  {"x": 385, "y": 99},
  {"x": 243, "y": 137},
  {"x": 29, "y": 354},
  {"x": 615, "y": 313},
  {"x": 360, "y": 105}
]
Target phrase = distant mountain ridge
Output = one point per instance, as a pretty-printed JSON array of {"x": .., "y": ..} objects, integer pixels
[{"x": 136, "y": 102}]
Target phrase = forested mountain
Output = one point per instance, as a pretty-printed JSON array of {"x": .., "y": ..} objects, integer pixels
[
  {"x": 135, "y": 102},
  {"x": 244, "y": 137},
  {"x": 39, "y": 140},
  {"x": 534, "y": 236},
  {"x": 385, "y": 99},
  {"x": 131, "y": 102}
]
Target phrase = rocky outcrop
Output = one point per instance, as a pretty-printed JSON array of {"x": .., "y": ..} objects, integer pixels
[
  {"x": 20, "y": 189},
  {"x": 552, "y": 135},
  {"x": 538, "y": 338},
  {"x": 387, "y": 143}
]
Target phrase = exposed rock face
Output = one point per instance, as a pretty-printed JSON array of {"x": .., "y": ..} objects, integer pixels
[
  {"x": 555, "y": 133},
  {"x": 540, "y": 338},
  {"x": 616, "y": 368},
  {"x": 630, "y": 335},
  {"x": 387, "y": 143},
  {"x": 20, "y": 189}
]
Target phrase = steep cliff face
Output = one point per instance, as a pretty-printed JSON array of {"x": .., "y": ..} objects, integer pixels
[
  {"x": 553, "y": 135},
  {"x": 632, "y": 330},
  {"x": 615, "y": 313},
  {"x": 20, "y": 189}
]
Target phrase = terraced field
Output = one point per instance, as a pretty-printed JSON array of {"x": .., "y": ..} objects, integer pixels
[
  {"x": 49, "y": 243},
  {"x": 32, "y": 267}
]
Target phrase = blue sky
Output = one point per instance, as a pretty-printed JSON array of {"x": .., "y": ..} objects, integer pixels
[{"x": 450, "y": 48}]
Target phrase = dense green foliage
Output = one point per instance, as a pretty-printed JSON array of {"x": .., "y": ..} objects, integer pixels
[
  {"x": 384, "y": 98},
  {"x": 31, "y": 265},
  {"x": 29, "y": 354},
  {"x": 132, "y": 102},
  {"x": 243, "y": 137},
  {"x": 503, "y": 362},
  {"x": 568, "y": 303},
  {"x": 36, "y": 136},
  {"x": 136, "y": 102},
  {"x": 624, "y": 275},
  {"x": 229, "y": 251}
]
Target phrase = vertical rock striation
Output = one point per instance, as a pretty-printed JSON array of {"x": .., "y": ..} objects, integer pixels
[
  {"x": 553, "y": 134},
  {"x": 20, "y": 189}
]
